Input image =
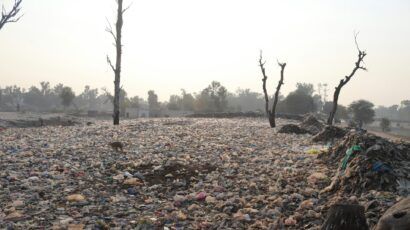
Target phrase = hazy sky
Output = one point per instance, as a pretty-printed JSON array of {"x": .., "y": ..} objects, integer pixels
[{"x": 169, "y": 45}]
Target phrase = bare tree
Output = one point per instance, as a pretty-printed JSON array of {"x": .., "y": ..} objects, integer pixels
[
  {"x": 12, "y": 15},
  {"x": 271, "y": 113},
  {"x": 344, "y": 81},
  {"x": 117, "y": 68}
]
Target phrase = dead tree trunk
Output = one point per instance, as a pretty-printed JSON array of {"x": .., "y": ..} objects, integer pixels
[
  {"x": 344, "y": 81},
  {"x": 345, "y": 216},
  {"x": 276, "y": 99},
  {"x": 12, "y": 15},
  {"x": 265, "y": 92},
  {"x": 117, "y": 68},
  {"x": 271, "y": 113}
]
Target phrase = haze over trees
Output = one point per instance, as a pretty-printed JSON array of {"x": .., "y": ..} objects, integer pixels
[
  {"x": 300, "y": 101},
  {"x": 399, "y": 112},
  {"x": 363, "y": 112},
  {"x": 154, "y": 106},
  {"x": 385, "y": 124},
  {"x": 67, "y": 96},
  {"x": 304, "y": 99}
]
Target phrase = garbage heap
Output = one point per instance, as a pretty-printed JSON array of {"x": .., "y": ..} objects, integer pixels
[
  {"x": 309, "y": 125},
  {"x": 292, "y": 128},
  {"x": 329, "y": 134},
  {"x": 366, "y": 162}
]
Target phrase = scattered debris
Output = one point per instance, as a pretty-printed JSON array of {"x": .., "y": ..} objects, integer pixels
[{"x": 183, "y": 173}]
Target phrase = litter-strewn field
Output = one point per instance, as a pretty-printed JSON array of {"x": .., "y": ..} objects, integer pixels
[{"x": 175, "y": 174}]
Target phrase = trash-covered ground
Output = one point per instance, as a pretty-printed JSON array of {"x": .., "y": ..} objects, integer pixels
[{"x": 172, "y": 174}]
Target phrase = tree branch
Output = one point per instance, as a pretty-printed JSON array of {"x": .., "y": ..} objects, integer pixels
[
  {"x": 360, "y": 57},
  {"x": 110, "y": 63},
  {"x": 110, "y": 30},
  {"x": 12, "y": 15},
  {"x": 265, "y": 92},
  {"x": 126, "y": 8}
]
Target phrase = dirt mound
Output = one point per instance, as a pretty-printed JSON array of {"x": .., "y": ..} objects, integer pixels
[
  {"x": 292, "y": 128},
  {"x": 329, "y": 133},
  {"x": 311, "y": 124},
  {"x": 366, "y": 162}
]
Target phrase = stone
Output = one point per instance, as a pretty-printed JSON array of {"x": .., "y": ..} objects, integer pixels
[
  {"x": 76, "y": 227},
  {"x": 397, "y": 217},
  {"x": 316, "y": 177},
  {"x": 290, "y": 221},
  {"x": 306, "y": 204},
  {"x": 210, "y": 199},
  {"x": 14, "y": 216},
  {"x": 17, "y": 203},
  {"x": 75, "y": 198},
  {"x": 132, "y": 181}
]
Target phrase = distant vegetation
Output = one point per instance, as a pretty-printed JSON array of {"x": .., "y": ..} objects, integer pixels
[
  {"x": 213, "y": 98},
  {"x": 385, "y": 124}
]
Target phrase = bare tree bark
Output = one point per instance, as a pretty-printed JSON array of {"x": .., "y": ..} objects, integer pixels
[
  {"x": 344, "y": 81},
  {"x": 271, "y": 113},
  {"x": 12, "y": 15},
  {"x": 117, "y": 69},
  {"x": 345, "y": 216}
]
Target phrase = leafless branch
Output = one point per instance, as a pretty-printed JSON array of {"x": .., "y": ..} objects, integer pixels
[
  {"x": 276, "y": 99},
  {"x": 110, "y": 63},
  {"x": 361, "y": 55},
  {"x": 126, "y": 8},
  {"x": 355, "y": 34},
  {"x": 110, "y": 30},
  {"x": 265, "y": 92},
  {"x": 12, "y": 15},
  {"x": 271, "y": 113},
  {"x": 281, "y": 64}
]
